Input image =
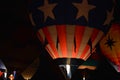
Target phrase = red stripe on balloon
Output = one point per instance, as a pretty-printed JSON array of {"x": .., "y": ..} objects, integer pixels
[
  {"x": 51, "y": 54},
  {"x": 50, "y": 41},
  {"x": 79, "y": 31},
  {"x": 61, "y": 30},
  {"x": 1, "y": 73}
]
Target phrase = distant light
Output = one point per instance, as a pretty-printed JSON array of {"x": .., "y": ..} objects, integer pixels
[
  {"x": 14, "y": 73},
  {"x": 68, "y": 69},
  {"x": 5, "y": 75},
  {"x": 87, "y": 67},
  {"x": 11, "y": 77},
  {"x": 83, "y": 77},
  {"x": 27, "y": 78}
]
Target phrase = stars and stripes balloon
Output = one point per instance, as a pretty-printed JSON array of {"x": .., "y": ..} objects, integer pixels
[
  {"x": 110, "y": 46},
  {"x": 70, "y": 29}
]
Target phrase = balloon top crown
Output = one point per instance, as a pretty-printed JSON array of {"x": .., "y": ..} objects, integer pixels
[{"x": 93, "y": 13}]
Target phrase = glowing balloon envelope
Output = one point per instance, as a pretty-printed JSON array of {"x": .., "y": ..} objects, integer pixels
[
  {"x": 70, "y": 29},
  {"x": 30, "y": 70},
  {"x": 110, "y": 46},
  {"x": 2, "y": 66}
]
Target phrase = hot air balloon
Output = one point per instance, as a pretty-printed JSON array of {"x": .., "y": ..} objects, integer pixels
[
  {"x": 89, "y": 64},
  {"x": 87, "y": 70},
  {"x": 110, "y": 46},
  {"x": 70, "y": 29},
  {"x": 3, "y": 70},
  {"x": 30, "y": 70}
]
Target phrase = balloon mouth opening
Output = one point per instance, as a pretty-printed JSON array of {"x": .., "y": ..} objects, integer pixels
[
  {"x": 68, "y": 61},
  {"x": 68, "y": 65}
]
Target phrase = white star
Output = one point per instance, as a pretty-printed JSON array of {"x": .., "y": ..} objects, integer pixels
[
  {"x": 83, "y": 9},
  {"x": 47, "y": 9},
  {"x": 109, "y": 17}
]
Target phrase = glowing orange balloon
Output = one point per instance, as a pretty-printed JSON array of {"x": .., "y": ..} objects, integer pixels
[{"x": 110, "y": 45}]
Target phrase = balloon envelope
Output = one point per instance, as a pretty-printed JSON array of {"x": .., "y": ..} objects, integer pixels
[
  {"x": 71, "y": 28},
  {"x": 30, "y": 70},
  {"x": 3, "y": 69},
  {"x": 110, "y": 45},
  {"x": 2, "y": 66},
  {"x": 70, "y": 41}
]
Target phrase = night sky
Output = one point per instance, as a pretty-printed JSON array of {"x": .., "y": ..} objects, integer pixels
[{"x": 19, "y": 46}]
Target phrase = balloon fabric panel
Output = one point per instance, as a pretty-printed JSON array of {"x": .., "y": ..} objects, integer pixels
[
  {"x": 80, "y": 40},
  {"x": 110, "y": 44}
]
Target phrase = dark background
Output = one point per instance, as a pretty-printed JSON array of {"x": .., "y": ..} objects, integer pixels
[{"x": 19, "y": 45}]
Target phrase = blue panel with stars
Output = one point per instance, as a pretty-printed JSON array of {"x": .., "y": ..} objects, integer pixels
[{"x": 92, "y": 13}]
